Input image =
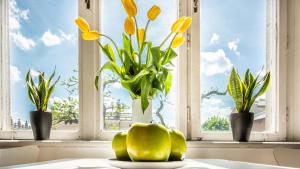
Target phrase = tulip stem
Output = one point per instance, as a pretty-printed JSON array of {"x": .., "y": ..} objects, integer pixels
[
  {"x": 113, "y": 42},
  {"x": 168, "y": 49},
  {"x": 138, "y": 40},
  {"x": 165, "y": 40}
]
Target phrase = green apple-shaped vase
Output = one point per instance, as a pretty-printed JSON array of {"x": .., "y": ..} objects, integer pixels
[
  {"x": 178, "y": 147},
  {"x": 119, "y": 146},
  {"x": 148, "y": 142}
]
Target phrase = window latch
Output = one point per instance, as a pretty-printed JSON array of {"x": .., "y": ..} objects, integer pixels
[
  {"x": 195, "y": 5},
  {"x": 88, "y": 4}
]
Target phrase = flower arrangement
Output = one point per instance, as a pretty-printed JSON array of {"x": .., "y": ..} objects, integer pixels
[{"x": 141, "y": 79}]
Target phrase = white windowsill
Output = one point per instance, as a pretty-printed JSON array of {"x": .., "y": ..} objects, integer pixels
[{"x": 107, "y": 144}]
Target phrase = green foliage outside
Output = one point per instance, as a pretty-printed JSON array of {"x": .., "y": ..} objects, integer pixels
[{"x": 216, "y": 123}]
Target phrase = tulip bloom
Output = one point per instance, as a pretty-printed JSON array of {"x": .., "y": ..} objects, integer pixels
[
  {"x": 141, "y": 33},
  {"x": 178, "y": 24},
  {"x": 130, "y": 7},
  {"x": 84, "y": 27},
  {"x": 129, "y": 26},
  {"x": 178, "y": 41},
  {"x": 82, "y": 24},
  {"x": 91, "y": 35},
  {"x": 153, "y": 12},
  {"x": 186, "y": 24}
]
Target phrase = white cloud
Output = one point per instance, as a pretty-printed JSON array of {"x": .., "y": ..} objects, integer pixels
[
  {"x": 214, "y": 63},
  {"x": 213, "y": 102},
  {"x": 214, "y": 38},
  {"x": 65, "y": 36},
  {"x": 16, "y": 15},
  {"x": 51, "y": 39},
  {"x": 34, "y": 73},
  {"x": 21, "y": 41},
  {"x": 14, "y": 24},
  {"x": 15, "y": 74},
  {"x": 233, "y": 46}
]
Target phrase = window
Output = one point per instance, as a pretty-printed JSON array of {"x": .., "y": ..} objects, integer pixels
[
  {"x": 41, "y": 40},
  {"x": 233, "y": 36},
  {"x": 241, "y": 44},
  {"x": 116, "y": 101},
  {"x": 222, "y": 35}
]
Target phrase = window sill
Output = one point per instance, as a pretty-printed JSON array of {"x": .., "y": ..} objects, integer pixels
[{"x": 107, "y": 144}]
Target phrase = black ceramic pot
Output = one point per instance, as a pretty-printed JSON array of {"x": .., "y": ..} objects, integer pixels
[
  {"x": 41, "y": 123},
  {"x": 241, "y": 126}
]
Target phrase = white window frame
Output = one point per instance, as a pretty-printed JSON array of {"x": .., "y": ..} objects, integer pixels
[
  {"x": 276, "y": 50},
  {"x": 188, "y": 111}
]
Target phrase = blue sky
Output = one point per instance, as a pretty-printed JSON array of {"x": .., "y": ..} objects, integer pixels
[{"x": 43, "y": 35}]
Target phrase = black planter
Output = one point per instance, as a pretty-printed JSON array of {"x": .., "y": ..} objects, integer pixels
[
  {"x": 241, "y": 126},
  {"x": 41, "y": 123}
]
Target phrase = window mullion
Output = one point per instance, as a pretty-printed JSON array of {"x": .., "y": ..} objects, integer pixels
[{"x": 88, "y": 67}]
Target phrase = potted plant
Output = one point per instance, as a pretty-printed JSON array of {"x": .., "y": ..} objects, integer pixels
[
  {"x": 244, "y": 93},
  {"x": 142, "y": 78},
  {"x": 39, "y": 95}
]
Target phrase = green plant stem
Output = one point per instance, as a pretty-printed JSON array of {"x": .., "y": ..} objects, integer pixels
[
  {"x": 138, "y": 41},
  {"x": 165, "y": 40},
  {"x": 144, "y": 39},
  {"x": 115, "y": 45},
  {"x": 168, "y": 49}
]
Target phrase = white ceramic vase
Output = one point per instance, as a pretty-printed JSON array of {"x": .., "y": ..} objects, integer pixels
[{"x": 137, "y": 113}]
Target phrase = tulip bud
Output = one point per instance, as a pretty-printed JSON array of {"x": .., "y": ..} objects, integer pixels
[
  {"x": 177, "y": 24},
  {"x": 186, "y": 24},
  {"x": 130, "y": 7},
  {"x": 129, "y": 26},
  {"x": 141, "y": 33},
  {"x": 91, "y": 35},
  {"x": 153, "y": 12},
  {"x": 178, "y": 41},
  {"x": 82, "y": 24}
]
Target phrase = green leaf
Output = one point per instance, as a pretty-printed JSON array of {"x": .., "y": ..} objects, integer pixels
[
  {"x": 170, "y": 55},
  {"x": 156, "y": 52},
  {"x": 112, "y": 66},
  {"x": 148, "y": 59},
  {"x": 137, "y": 77},
  {"x": 51, "y": 77},
  {"x": 168, "y": 83},
  {"x": 107, "y": 49},
  {"x": 145, "y": 86},
  {"x": 264, "y": 87},
  {"x": 236, "y": 89}
]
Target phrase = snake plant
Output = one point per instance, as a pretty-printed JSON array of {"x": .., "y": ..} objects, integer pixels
[
  {"x": 245, "y": 92},
  {"x": 39, "y": 94}
]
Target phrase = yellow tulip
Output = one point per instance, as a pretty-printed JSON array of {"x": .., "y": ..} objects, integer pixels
[
  {"x": 91, "y": 35},
  {"x": 82, "y": 24},
  {"x": 178, "y": 41},
  {"x": 186, "y": 24},
  {"x": 178, "y": 24},
  {"x": 130, "y": 7},
  {"x": 129, "y": 26},
  {"x": 153, "y": 12},
  {"x": 141, "y": 33}
]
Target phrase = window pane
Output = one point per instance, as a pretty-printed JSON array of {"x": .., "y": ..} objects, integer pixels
[
  {"x": 116, "y": 101},
  {"x": 231, "y": 35},
  {"x": 43, "y": 37}
]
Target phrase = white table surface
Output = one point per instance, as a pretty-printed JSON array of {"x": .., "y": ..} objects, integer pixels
[{"x": 102, "y": 163}]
